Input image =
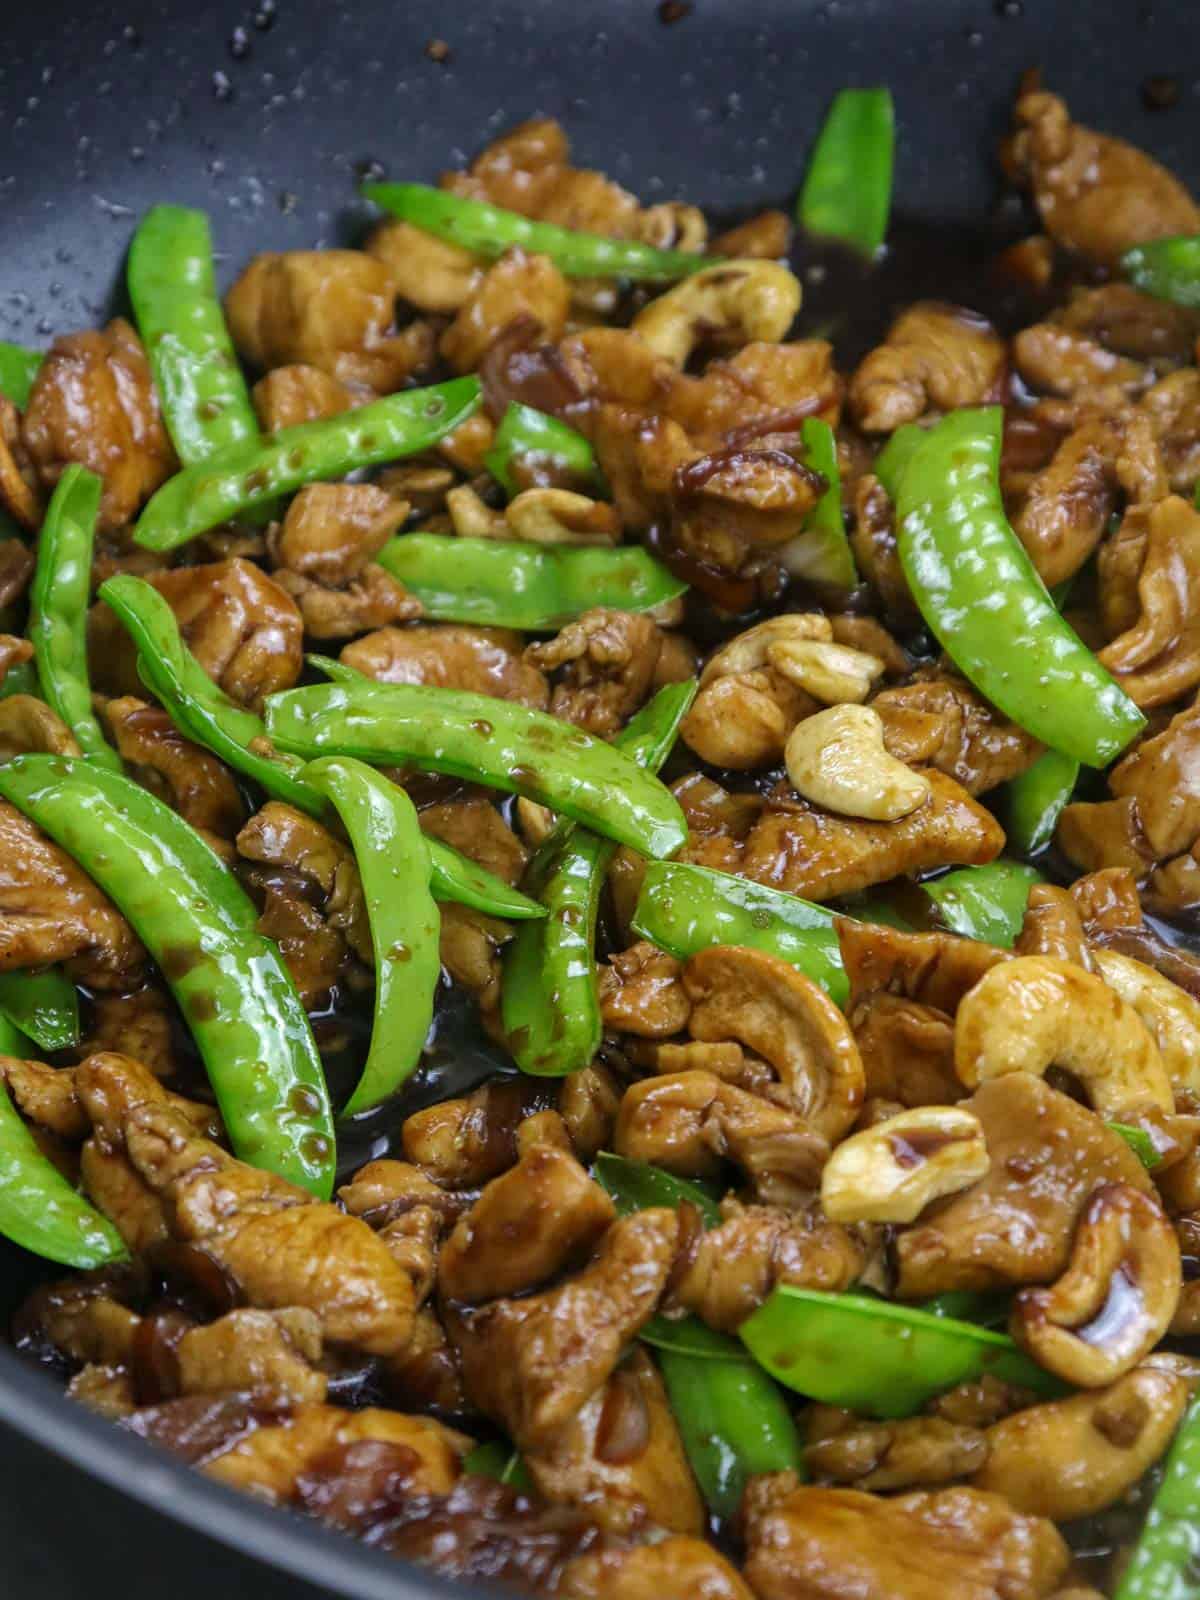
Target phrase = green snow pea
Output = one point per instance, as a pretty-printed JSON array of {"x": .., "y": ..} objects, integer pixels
[
  {"x": 530, "y": 447},
  {"x": 42, "y": 1004},
  {"x": 58, "y": 610},
  {"x": 1032, "y": 803},
  {"x": 18, "y": 368},
  {"x": 875, "y": 1356},
  {"x": 201, "y": 928},
  {"x": 21, "y": 679},
  {"x": 1140, "y": 1142},
  {"x": 1169, "y": 269},
  {"x": 548, "y": 998},
  {"x": 488, "y": 741},
  {"x": 500, "y": 1461},
  {"x": 506, "y": 583},
  {"x": 1166, "y": 1559},
  {"x": 847, "y": 192},
  {"x": 393, "y": 865},
  {"x": 822, "y": 551},
  {"x": 489, "y": 231},
  {"x": 244, "y": 475},
  {"x": 986, "y": 903}
]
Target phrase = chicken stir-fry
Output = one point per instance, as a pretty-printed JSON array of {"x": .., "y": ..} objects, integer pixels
[{"x": 788, "y": 766}]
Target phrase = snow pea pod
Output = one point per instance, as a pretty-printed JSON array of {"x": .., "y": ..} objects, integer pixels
[
  {"x": 980, "y": 594},
  {"x": 39, "y": 1210},
  {"x": 500, "y": 1461},
  {"x": 549, "y": 1001},
  {"x": 21, "y": 679},
  {"x": 1169, "y": 269},
  {"x": 1166, "y": 1558},
  {"x": 875, "y": 1356},
  {"x": 242, "y": 476},
  {"x": 530, "y": 445},
  {"x": 683, "y": 909},
  {"x": 821, "y": 552},
  {"x": 205, "y": 402},
  {"x": 986, "y": 903},
  {"x": 393, "y": 865},
  {"x": 1032, "y": 803},
  {"x": 1140, "y": 1142},
  {"x": 18, "y": 368},
  {"x": 201, "y": 928},
  {"x": 42, "y": 1004},
  {"x": 506, "y": 583},
  {"x": 489, "y": 231},
  {"x": 847, "y": 191},
  {"x": 492, "y": 742},
  {"x": 58, "y": 610}
]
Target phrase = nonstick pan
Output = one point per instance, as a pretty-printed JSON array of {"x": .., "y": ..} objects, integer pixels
[{"x": 264, "y": 112}]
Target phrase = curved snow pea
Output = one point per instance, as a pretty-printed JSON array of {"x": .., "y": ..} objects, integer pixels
[
  {"x": 243, "y": 476},
  {"x": 1169, "y": 269},
  {"x": 506, "y": 583},
  {"x": 528, "y": 440},
  {"x": 986, "y": 903},
  {"x": 42, "y": 1004},
  {"x": 393, "y": 865},
  {"x": 493, "y": 742},
  {"x": 201, "y": 928},
  {"x": 1140, "y": 1142},
  {"x": 970, "y": 1305},
  {"x": 39, "y": 1210},
  {"x": 1166, "y": 1557},
  {"x": 500, "y": 1461},
  {"x": 1032, "y": 803},
  {"x": 683, "y": 909},
  {"x": 18, "y": 368},
  {"x": 548, "y": 997},
  {"x": 902, "y": 1356},
  {"x": 489, "y": 231},
  {"x": 205, "y": 402},
  {"x": 847, "y": 192},
  {"x": 453, "y": 876},
  {"x": 58, "y": 606},
  {"x": 980, "y": 594},
  {"x": 637, "y": 1186},
  {"x": 821, "y": 552}
]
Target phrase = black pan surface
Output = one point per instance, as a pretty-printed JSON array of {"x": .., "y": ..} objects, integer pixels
[{"x": 263, "y": 112}]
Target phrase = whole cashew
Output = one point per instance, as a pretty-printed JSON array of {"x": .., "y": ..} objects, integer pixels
[
  {"x": 757, "y": 300},
  {"x": 1168, "y": 1011},
  {"x": 750, "y": 651},
  {"x": 767, "y": 1005},
  {"x": 1072, "y": 1458},
  {"x": 837, "y": 760},
  {"x": 835, "y": 674},
  {"x": 1035, "y": 1012},
  {"x": 472, "y": 517},
  {"x": 559, "y": 516},
  {"x": 1116, "y": 1298},
  {"x": 891, "y": 1171}
]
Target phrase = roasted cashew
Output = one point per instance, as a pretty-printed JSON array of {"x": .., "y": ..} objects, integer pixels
[
  {"x": 472, "y": 517},
  {"x": 1036, "y": 1012},
  {"x": 749, "y": 651},
  {"x": 835, "y": 674},
  {"x": 756, "y": 299},
  {"x": 767, "y": 1005},
  {"x": 1169, "y": 1012},
  {"x": 837, "y": 760},
  {"x": 1072, "y": 1458},
  {"x": 1116, "y": 1298},
  {"x": 673, "y": 225},
  {"x": 559, "y": 516},
  {"x": 892, "y": 1170}
]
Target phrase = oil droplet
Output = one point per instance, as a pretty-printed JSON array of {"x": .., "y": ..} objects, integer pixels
[
  {"x": 399, "y": 952},
  {"x": 305, "y": 1102}
]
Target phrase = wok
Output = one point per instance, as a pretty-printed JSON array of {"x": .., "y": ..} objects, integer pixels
[{"x": 263, "y": 113}]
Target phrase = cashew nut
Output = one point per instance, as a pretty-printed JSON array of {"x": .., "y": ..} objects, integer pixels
[
  {"x": 1168, "y": 1011},
  {"x": 835, "y": 674},
  {"x": 472, "y": 517},
  {"x": 673, "y": 225},
  {"x": 748, "y": 652},
  {"x": 1072, "y": 1458},
  {"x": 892, "y": 1170},
  {"x": 559, "y": 516},
  {"x": 1036, "y": 1012},
  {"x": 837, "y": 760},
  {"x": 767, "y": 1005},
  {"x": 1116, "y": 1298},
  {"x": 756, "y": 300}
]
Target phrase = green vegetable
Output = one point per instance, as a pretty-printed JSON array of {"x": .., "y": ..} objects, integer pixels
[
  {"x": 42, "y": 1004},
  {"x": 980, "y": 594},
  {"x": 58, "y": 609},
  {"x": 1032, "y": 803},
  {"x": 1169, "y": 269},
  {"x": 847, "y": 193},
  {"x": 969, "y": 1305},
  {"x": 205, "y": 402},
  {"x": 203, "y": 711},
  {"x": 506, "y": 583},
  {"x": 499, "y": 1461},
  {"x": 493, "y": 742},
  {"x": 877, "y": 1357},
  {"x": 549, "y": 1002},
  {"x": 1140, "y": 1142},
  {"x": 489, "y": 231},
  {"x": 683, "y": 909},
  {"x": 18, "y": 369},
  {"x": 1166, "y": 1559},
  {"x": 822, "y": 551},
  {"x": 986, "y": 903},
  {"x": 637, "y": 1186},
  {"x": 201, "y": 928},
  {"x": 526, "y": 438},
  {"x": 242, "y": 476},
  {"x": 393, "y": 865},
  {"x": 20, "y": 679},
  {"x": 39, "y": 1209}
]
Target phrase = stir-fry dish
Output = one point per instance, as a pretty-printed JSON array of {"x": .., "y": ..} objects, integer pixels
[{"x": 597, "y": 973}]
